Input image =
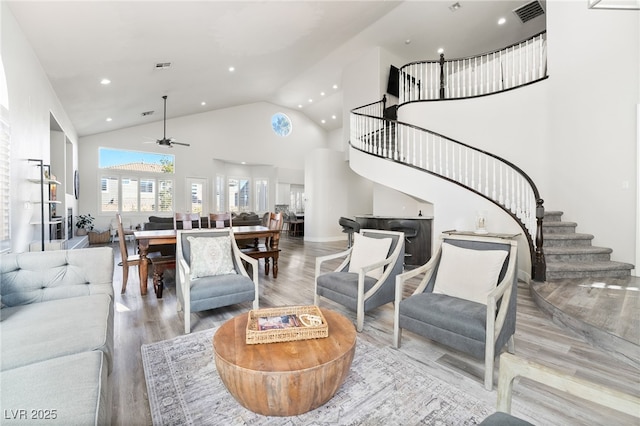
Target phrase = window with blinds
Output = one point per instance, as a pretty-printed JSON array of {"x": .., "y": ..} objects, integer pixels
[{"x": 5, "y": 169}]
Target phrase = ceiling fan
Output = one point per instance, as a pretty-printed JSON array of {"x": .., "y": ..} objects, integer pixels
[{"x": 164, "y": 141}]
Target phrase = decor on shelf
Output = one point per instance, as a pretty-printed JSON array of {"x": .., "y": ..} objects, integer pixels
[
  {"x": 84, "y": 223},
  {"x": 481, "y": 222}
]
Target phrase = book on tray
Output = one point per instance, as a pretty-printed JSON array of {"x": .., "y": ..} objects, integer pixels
[{"x": 278, "y": 322}]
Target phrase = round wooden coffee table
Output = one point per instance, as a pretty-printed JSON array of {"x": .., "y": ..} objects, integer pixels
[{"x": 287, "y": 378}]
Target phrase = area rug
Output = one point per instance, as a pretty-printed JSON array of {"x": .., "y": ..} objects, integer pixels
[{"x": 384, "y": 387}]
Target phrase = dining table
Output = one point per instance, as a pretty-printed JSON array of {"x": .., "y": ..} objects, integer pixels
[{"x": 148, "y": 238}]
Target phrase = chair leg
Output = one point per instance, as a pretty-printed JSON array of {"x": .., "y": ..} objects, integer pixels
[
  {"x": 187, "y": 319},
  {"x": 360, "y": 321},
  {"x": 266, "y": 266},
  {"x": 397, "y": 336},
  {"x": 488, "y": 374},
  {"x": 125, "y": 278}
]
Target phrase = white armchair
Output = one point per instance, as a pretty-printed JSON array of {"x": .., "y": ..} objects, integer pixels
[
  {"x": 366, "y": 277},
  {"x": 211, "y": 273}
]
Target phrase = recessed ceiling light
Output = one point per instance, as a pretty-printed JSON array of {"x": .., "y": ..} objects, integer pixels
[
  {"x": 243, "y": 162},
  {"x": 109, "y": 119},
  {"x": 501, "y": 21},
  {"x": 232, "y": 69},
  {"x": 310, "y": 100},
  {"x": 203, "y": 103},
  {"x": 299, "y": 105},
  {"x": 105, "y": 81},
  {"x": 323, "y": 121},
  {"x": 333, "y": 116},
  {"x": 321, "y": 93},
  {"x": 335, "y": 86},
  {"x": 454, "y": 7},
  {"x": 441, "y": 50},
  {"x": 407, "y": 41}
]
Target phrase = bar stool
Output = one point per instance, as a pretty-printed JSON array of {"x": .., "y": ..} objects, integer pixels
[
  {"x": 409, "y": 227},
  {"x": 349, "y": 226}
]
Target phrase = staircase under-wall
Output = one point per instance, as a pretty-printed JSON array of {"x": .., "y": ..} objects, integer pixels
[{"x": 571, "y": 255}]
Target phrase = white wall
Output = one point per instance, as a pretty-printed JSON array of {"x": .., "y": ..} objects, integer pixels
[
  {"x": 31, "y": 101},
  {"x": 389, "y": 202},
  {"x": 332, "y": 190},
  {"x": 575, "y": 133},
  {"x": 594, "y": 77},
  {"x": 453, "y": 207},
  {"x": 234, "y": 134}
]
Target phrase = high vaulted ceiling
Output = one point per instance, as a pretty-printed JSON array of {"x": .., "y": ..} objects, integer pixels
[{"x": 284, "y": 52}]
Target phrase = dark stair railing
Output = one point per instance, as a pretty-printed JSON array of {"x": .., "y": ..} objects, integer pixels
[{"x": 483, "y": 173}]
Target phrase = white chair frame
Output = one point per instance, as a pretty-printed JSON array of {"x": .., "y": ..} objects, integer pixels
[{"x": 183, "y": 276}]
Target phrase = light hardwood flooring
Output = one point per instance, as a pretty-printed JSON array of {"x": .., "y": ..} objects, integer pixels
[{"x": 145, "y": 319}]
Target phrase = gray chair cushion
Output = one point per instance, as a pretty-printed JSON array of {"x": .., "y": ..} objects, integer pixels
[
  {"x": 449, "y": 313},
  {"x": 503, "y": 419},
  {"x": 342, "y": 287},
  {"x": 220, "y": 290}
]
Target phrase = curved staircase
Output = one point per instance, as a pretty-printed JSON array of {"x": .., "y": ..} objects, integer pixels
[{"x": 571, "y": 255}]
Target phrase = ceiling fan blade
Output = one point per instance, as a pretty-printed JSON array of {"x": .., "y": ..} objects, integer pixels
[{"x": 180, "y": 143}]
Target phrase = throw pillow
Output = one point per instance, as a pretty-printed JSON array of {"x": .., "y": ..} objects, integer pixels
[
  {"x": 211, "y": 256},
  {"x": 367, "y": 250},
  {"x": 468, "y": 274}
]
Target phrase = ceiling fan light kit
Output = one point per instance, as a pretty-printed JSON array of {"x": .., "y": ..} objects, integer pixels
[{"x": 167, "y": 141}]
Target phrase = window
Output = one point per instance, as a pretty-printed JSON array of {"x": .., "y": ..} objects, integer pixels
[
  {"x": 220, "y": 194},
  {"x": 238, "y": 195},
  {"x": 296, "y": 203},
  {"x": 262, "y": 195},
  {"x": 5, "y": 188},
  {"x": 133, "y": 183},
  {"x": 132, "y": 194},
  {"x": 281, "y": 124}
]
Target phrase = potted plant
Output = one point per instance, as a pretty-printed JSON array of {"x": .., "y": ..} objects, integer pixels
[{"x": 84, "y": 223}]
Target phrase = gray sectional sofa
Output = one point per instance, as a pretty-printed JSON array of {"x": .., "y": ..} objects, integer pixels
[{"x": 56, "y": 335}]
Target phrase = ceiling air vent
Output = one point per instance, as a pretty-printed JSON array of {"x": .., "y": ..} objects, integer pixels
[
  {"x": 529, "y": 11},
  {"x": 145, "y": 113},
  {"x": 163, "y": 65}
]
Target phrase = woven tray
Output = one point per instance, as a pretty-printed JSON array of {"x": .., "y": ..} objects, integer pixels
[{"x": 288, "y": 334}]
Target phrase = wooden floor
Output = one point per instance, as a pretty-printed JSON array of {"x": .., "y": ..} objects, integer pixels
[{"x": 145, "y": 319}]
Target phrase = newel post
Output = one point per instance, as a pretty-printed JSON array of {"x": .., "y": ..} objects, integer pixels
[
  {"x": 442, "y": 76},
  {"x": 540, "y": 265}
]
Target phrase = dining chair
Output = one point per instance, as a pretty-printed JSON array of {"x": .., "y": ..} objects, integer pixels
[
  {"x": 127, "y": 260},
  {"x": 466, "y": 298},
  {"x": 220, "y": 220},
  {"x": 211, "y": 272},
  {"x": 366, "y": 277},
  {"x": 186, "y": 220}
]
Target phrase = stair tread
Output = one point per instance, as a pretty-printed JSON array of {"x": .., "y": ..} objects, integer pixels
[
  {"x": 588, "y": 266},
  {"x": 576, "y": 250},
  {"x": 570, "y": 236},
  {"x": 558, "y": 223}
]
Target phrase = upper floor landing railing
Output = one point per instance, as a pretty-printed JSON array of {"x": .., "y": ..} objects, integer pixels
[{"x": 504, "y": 69}]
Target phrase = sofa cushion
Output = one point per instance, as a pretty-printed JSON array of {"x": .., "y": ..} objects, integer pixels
[
  {"x": 70, "y": 390},
  {"x": 42, "y": 276},
  {"x": 40, "y": 331}
]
